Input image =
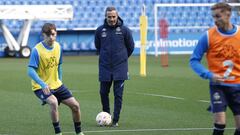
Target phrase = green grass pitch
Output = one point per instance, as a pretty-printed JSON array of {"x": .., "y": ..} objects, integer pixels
[{"x": 168, "y": 101}]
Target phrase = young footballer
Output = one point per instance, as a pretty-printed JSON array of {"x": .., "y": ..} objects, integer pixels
[
  {"x": 221, "y": 44},
  {"x": 45, "y": 70}
]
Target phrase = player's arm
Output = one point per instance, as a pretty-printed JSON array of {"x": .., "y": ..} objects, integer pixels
[
  {"x": 195, "y": 60},
  {"x": 129, "y": 42},
  {"x": 32, "y": 73},
  {"x": 97, "y": 40},
  {"x": 60, "y": 66},
  {"x": 60, "y": 72}
]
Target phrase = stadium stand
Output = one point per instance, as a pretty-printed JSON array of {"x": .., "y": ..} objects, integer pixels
[
  {"x": 89, "y": 13},
  {"x": 78, "y": 34}
]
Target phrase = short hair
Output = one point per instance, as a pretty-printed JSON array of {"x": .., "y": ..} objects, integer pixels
[
  {"x": 222, "y": 5},
  {"x": 110, "y": 8},
  {"x": 47, "y": 27}
]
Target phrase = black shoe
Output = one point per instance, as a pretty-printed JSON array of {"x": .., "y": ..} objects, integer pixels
[
  {"x": 114, "y": 124},
  {"x": 209, "y": 108}
]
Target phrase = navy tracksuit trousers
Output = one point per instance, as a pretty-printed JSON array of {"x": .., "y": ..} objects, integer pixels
[{"x": 118, "y": 86}]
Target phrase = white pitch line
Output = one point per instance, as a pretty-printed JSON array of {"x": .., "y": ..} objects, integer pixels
[
  {"x": 204, "y": 101},
  {"x": 157, "y": 95},
  {"x": 146, "y": 130},
  {"x": 165, "y": 96}
]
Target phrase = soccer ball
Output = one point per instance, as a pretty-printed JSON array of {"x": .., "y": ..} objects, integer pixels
[{"x": 103, "y": 119}]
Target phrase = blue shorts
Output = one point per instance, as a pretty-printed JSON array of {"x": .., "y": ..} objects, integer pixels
[
  {"x": 60, "y": 93},
  {"x": 223, "y": 96}
]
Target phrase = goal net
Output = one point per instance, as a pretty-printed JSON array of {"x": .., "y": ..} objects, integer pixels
[{"x": 185, "y": 23}]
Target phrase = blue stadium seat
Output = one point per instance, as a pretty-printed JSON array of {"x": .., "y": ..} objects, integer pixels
[
  {"x": 150, "y": 22},
  {"x": 189, "y": 1},
  {"x": 178, "y": 31},
  {"x": 191, "y": 22},
  {"x": 186, "y": 30},
  {"x": 66, "y": 47},
  {"x": 50, "y": 2},
  {"x": 205, "y": 1},
  {"x": 197, "y": 1},
  {"x": 84, "y": 46},
  {"x": 180, "y": 1},
  {"x": 174, "y": 22},
  {"x": 213, "y": 1},
  {"x": 166, "y": 1},
  {"x": 182, "y": 22},
  {"x": 192, "y": 14},
  {"x": 92, "y": 46},
  {"x": 171, "y": 31},
  {"x": 163, "y": 9},
  {"x": 75, "y": 46},
  {"x": 194, "y": 30},
  {"x": 7, "y": 3}
]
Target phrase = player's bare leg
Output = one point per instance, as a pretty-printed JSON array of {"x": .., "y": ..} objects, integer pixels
[
  {"x": 75, "y": 107},
  {"x": 219, "y": 123},
  {"x": 73, "y": 104},
  {"x": 53, "y": 103},
  {"x": 220, "y": 118}
]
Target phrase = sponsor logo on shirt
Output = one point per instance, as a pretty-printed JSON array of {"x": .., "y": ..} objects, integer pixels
[{"x": 51, "y": 62}]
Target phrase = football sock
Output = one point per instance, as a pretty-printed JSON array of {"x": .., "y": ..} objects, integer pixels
[
  {"x": 218, "y": 129},
  {"x": 237, "y": 132},
  {"x": 77, "y": 126},
  {"x": 56, "y": 127}
]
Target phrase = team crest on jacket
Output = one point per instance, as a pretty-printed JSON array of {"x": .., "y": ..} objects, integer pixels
[
  {"x": 118, "y": 30},
  {"x": 104, "y": 34}
]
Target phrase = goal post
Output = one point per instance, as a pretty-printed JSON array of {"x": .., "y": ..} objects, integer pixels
[{"x": 185, "y": 20}]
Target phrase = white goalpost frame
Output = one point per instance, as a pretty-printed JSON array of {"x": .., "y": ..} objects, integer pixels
[{"x": 156, "y": 6}]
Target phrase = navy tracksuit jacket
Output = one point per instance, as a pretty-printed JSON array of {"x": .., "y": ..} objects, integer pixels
[{"x": 114, "y": 45}]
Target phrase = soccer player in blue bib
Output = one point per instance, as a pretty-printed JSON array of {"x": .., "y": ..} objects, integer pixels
[{"x": 45, "y": 71}]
